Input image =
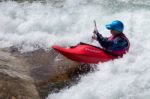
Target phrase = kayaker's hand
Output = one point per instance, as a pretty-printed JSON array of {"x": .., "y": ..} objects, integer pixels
[
  {"x": 95, "y": 31},
  {"x": 94, "y": 37}
]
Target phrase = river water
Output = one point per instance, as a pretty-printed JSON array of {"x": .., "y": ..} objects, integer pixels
[{"x": 30, "y": 26}]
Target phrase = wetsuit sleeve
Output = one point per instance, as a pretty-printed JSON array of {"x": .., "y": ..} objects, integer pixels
[
  {"x": 103, "y": 41},
  {"x": 114, "y": 45}
]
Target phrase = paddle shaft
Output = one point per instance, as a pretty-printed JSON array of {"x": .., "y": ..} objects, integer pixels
[
  {"x": 95, "y": 29},
  {"x": 95, "y": 26}
]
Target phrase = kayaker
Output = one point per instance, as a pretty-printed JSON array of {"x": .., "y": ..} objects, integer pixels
[{"x": 117, "y": 44}]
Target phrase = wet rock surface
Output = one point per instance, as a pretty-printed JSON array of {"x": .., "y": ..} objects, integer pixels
[
  {"x": 33, "y": 75},
  {"x": 15, "y": 81}
]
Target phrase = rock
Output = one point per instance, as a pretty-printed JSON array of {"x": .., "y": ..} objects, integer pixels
[
  {"x": 33, "y": 75},
  {"x": 15, "y": 82},
  {"x": 48, "y": 71},
  {"x": 16, "y": 87}
]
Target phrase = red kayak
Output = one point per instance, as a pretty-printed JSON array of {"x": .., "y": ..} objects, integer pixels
[{"x": 84, "y": 53}]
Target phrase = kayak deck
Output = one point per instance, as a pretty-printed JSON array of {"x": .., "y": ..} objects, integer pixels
[{"x": 84, "y": 53}]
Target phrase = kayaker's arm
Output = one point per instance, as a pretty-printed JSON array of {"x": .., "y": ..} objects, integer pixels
[
  {"x": 117, "y": 44},
  {"x": 103, "y": 41}
]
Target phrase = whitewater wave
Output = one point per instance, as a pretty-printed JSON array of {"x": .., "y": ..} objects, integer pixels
[{"x": 30, "y": 26}]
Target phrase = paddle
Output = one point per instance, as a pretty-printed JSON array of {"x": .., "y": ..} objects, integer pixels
[
  {"x": 95, "y": 29},
  {"x": 95, "y": 26}
]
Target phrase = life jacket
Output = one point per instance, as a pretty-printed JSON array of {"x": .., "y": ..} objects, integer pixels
[{"x": 119, "y": 52}]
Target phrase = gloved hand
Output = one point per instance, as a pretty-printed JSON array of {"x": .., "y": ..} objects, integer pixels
[
  {"x": 94, "y": 37},
  {"x": 95, "y": 31},
  {"x": 96, "y": 34}
]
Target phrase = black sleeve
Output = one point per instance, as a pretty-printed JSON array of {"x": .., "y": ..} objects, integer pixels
[{"x": 103, "y": 41}]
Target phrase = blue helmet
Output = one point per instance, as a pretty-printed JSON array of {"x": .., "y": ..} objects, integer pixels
[{"x": 115, "y": 25}]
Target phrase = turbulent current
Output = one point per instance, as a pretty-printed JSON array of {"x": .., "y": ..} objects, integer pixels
[{"x": 30, "y": 26}]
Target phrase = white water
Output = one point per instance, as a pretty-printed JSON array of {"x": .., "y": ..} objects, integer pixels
[{"x": 32, "y": 26}]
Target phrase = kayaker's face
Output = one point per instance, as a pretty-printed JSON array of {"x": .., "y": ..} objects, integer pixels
[{"x": 113, "y": 32}]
